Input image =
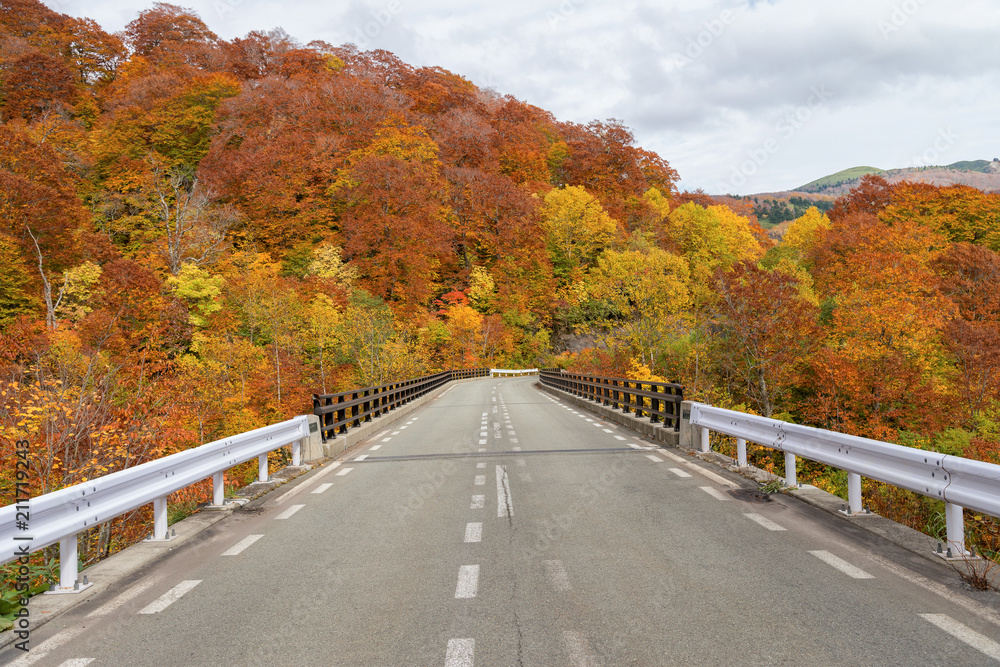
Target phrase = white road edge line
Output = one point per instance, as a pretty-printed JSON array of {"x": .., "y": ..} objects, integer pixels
[
  {"x": 170, "y": 597},
  {"x": 764, "y": 521},
  {"x": 242, "y": 545},
  {"x": 461, "y": 653},
  {"x": 963, "y": 633},
  {"x": 468, "y": 582},
  {"x": 842, "y": 565}
]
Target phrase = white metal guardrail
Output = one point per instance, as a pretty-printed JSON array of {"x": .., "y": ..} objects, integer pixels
[
  {"x": 959, "y": 482},
  {"x": 506, "y": 372},
  {"x": 59, "y": 516}
]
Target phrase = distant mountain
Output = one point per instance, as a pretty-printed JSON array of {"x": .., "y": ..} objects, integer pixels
[{"x": 981, "y": 174}]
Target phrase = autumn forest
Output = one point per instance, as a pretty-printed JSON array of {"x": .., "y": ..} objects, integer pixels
[{"x": 198, "y": 234}]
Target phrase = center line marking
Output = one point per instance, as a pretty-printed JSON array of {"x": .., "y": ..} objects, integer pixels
[
  {"x": 763, "y": 521},
  {"x": 478, "y": 502},
  {"x": 557, "y": 576},
  {"x": 323, "y": 487},
  {"x": 343, "y": 472},
  {"x": 170, "y": 597},
  {"x": 461, "y": 653},
  {"x": 578, "y": 649},
  {"x": 474, "y": 532},
  {"x": 240, "y": 546},
  {"x": 964, "y": 633},
  {"x": 468, "y": 582},
  {"x": 505, "y": 506},
  {"x": 480, "y": 480},
  {"x": 842, "y": 565},
  {"x": 289, "y": 512}
]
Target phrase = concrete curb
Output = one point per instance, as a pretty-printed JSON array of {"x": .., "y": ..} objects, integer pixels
[
  {"x": 109, "y": 573},
  {"x": 887, "y": 529}
]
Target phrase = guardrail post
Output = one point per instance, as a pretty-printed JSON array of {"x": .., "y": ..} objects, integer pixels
[
  {"x": 67, "y": 563},
  {"x": 854, "y": 493},
  {"x": 955, "y": 519},
  {"x": 704, "y": 440},
  {"x": 262, "y": 468},
  {"x": 159, "y": 518},
  {"x": 297, "y": 453},
  {"x": 218, "y": 489},
  {"x": 741, "y": 452},
  {"x": 790, "y": 478}
]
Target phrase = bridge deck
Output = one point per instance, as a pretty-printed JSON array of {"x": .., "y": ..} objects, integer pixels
[{"x": 499, "y": 526}]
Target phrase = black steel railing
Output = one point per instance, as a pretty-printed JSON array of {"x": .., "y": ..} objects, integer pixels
[
  {"x": 660, "y": 401},
  {"x": 338, "y": 412}
]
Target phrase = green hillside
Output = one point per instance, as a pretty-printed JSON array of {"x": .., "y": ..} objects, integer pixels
[
  {"x": 841, "y": 176},
  {"x": 970, "y": 165}
]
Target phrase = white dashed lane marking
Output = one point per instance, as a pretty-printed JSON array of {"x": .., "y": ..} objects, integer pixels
[
  {"x": 842, "y": 565},
  {"x": 963, "y": 633},
  {"x": 715, "y": 493},
  {"x": 763, "y": 521},
  {"x": 170, "y": 597},
  {"x": 556, "y": 574},
  {"x": 374, "y": 447},
  {"x": 474, "y": 532},
  {"x": 128, "y": 595},
  {"x": 478, "y": 502},
  {"x": 461, "y": 653},
  {"x": 679, "y": 472},
  {"x": 77, "y": 662},
  {"x": 654, "y": 458},
  {"x": 343, "y": 472},
  {"x": 47, "y": 646},
  {"x": 323, "y": 487},
  {"x": 242, "y": 545},
  {"x": 480, "y": 465},
  {"x": 578, "y": 649},
  {"x": 480, "y": 480},
  {"x": 468, "y": 582},
  {"x": 361, "y": 458},
  {"x": 288, "y": 512}
]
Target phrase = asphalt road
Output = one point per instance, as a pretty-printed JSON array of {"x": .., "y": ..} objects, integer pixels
[{"x": 500, "y": 526}]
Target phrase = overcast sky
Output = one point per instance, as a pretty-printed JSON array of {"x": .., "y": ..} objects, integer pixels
[{"x": 739, "y": 96}]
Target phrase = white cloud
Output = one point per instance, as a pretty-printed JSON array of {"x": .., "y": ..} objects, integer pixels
[{"x": 704, "y": 83}]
